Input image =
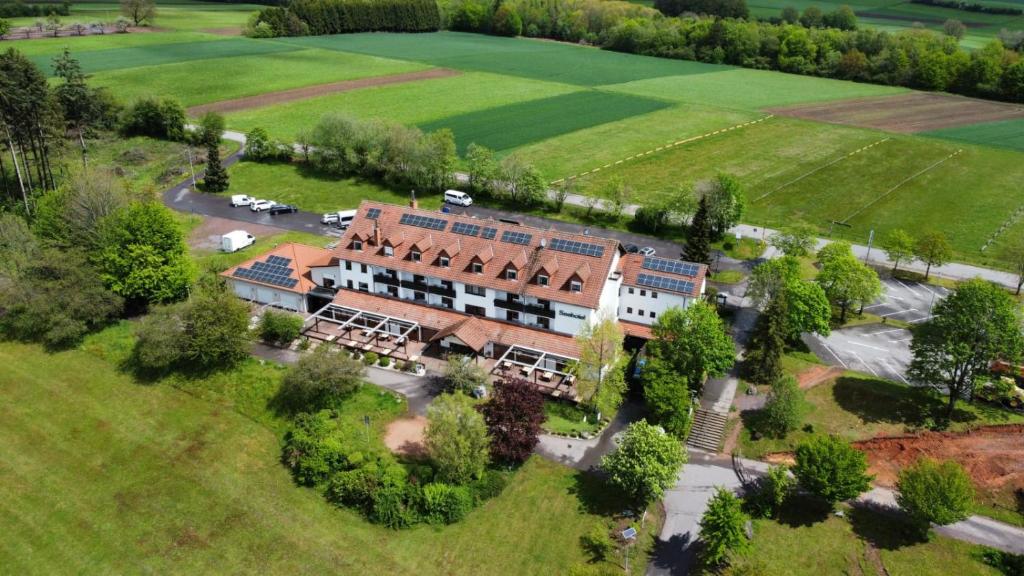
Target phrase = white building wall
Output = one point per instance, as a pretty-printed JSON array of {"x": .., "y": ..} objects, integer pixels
[
  {"x": 638, "y": 305},
  {"x": 266, "y": 295}
]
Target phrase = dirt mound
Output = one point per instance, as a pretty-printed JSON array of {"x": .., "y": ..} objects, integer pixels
[
  {"x": 405, "y": 436},
  {"x": 906, "y": 113},
  {"x": 318, "y": 90},
  {"x": 992, "y": 455}
]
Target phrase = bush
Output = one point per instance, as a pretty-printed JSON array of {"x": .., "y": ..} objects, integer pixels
[
  {"x": 462, "y": 374},
  {"x": 445, "y": 504},
  {"x": 598, "y": 543},
  {"x": 384, "y": 361},
  {"x": 155, "y": 117},
  {"x": 784, "y": 410},
  {"x": 831, "y": 469},
  {"x": 770, "y": 492},
  {"x": 321, "y": 379},
  {"x": 370, "y": 358},
  {"x": 722, "y": 527},
  {"x": 311, "y": 450},
  {"x": 392, "y": 506},
  {"x": 353, "y": 489},
  {"x": 279, "y": 328},
  {"x": 456, "y": 438},
  {"x": 490, "y": 485},
  {"x": 930, "y": 491}
]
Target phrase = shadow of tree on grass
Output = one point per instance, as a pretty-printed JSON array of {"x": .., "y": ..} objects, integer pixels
[{"x": 884, "y": 527}]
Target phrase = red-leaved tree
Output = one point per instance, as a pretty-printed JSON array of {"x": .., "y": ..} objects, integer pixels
[{"x": 513, "y": 418}]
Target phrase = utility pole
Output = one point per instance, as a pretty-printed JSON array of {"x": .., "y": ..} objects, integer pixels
[
  {"x": 871, "y": 238},
  {"x": 190, "y": 166}
]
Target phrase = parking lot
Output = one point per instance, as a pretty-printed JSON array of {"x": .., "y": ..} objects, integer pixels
[{"x": 882, "y": 350}]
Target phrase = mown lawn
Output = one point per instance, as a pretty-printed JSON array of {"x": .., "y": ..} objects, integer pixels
[
  {"x": 807, "y": 541},
  {"x": 857, "y": 407},
  {"x": 203, "y": 81},
  {"x": 106, "y": 475}
]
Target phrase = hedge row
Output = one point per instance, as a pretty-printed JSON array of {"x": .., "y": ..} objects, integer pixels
[
  {"x": 342, "y": 16},
  {"x": 20, "y": 9},
  {"x": 970, "y": 7}
]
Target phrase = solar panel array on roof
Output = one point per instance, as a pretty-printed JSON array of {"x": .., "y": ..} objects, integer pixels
[
  {"x": 373, "y": 213},
  {"x": 489, "y": 233},
  {"x": 663, "y": 283},
  {"x": 423, "y": 221},
  {"x": 465, "y": 229},
  {"x": 672, "y": 266},
  {"x": 274, "y": 271},
  {"x": 513, "y": 237},
  {"x": 574, "y": 247}
]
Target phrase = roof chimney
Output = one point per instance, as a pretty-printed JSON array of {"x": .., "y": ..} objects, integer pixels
[
  {"x": 376, "y": 234},
  {"x": 412, "y": 201}
]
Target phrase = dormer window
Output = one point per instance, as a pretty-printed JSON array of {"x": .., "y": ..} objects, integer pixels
[
  {"x": 357, "y": 245},
  {"x": 389, "y": 251},
  {"x": 511, "y": 274},
  {"x": 477, "y": 268},
  {"x": 415, "y": 256},
  {"x": 575, "y": 286},
  {"x": 542, "y": 279},
  {"x": 444, "y": 262}
]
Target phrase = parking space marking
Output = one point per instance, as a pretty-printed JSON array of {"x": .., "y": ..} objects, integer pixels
[
  {"x": 875, "y": 305},
  {"x": 916, "y": 320},
  {"x": 900, "y": 312},
  {"x": 896, "y": 372},
  {"x": 887, "y": 332},
  {"x": 833, "y": 353},
  {"x": 866, "y": 346},
  {"x": 909, "y": 289},
  {"x": 865, "y": 364}
]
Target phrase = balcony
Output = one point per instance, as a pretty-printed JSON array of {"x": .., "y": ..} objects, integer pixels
[
  {"x": 429, "y": 288},
  {"x": 385, "y": 279},
  {"x": 535, "y": 309}
]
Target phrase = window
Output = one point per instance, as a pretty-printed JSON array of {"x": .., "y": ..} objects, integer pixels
[
  {"x": 652, "y": 313},
  {"x": 476, "y": 310},
  {"x": 514, "y": 297},
  {"x": 389, "y": 251},
  {"x": 348, "y": 284},
  {"x": 364, "y": 287},
  {"x": 654, "y": 294},
  {"x": 363, "y": 268},
  {"x": 511, "y": 274},
  {"x": 542, "y": 279},
  {"x": 328, "y": 281},
  {"x": 419, "y": 279},
  {"x": 447, "y": 302},
  {"x": 512, "y": 316},
  {"x": 444, "y": 262},
  {"x": 415, "y": 256},
  {"x": 629, "y": 310},
  {"x": 357, "y": 245},
  {"x": 630, "y": 290},
  {"x": 476, "y": 290},
  {"x": 348, "y": 265},
  {"x": 643, "y": 292},
  {"x": 544, "y": 323},
  {"x": 477, "y": 268},
  {"x": 640, "y": 312},
  {"x": 419, "y": 295},
  {"x": 393, "y": 291},
  {"x": 575, "y": 286}
]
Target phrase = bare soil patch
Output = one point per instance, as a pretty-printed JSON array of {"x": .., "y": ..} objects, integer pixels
[
  {"x": 906, "y": 113},
  {"x": 318, "y": 90},
  {"x": 207, "y": 235},
  {"x": 816, "y": 375},
  {"x": 405, "y": 436},
  {"x": 992, "y": 455}
]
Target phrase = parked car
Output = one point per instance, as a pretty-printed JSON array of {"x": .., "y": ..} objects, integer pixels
[
  {"x": 241, "y": 200},
  {"x": 342, "y": 219},
  {"x": 236, "y": 240},
  {"x": 261, "y": 205},
  {"x": 631, "y": 248},
  {"x": 457, "y": 198},
  {"x": 647, "y": 251},
  {"x": 283, "y": 209}
]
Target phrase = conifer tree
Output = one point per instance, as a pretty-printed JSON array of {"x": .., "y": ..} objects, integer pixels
[
  {"x": 764, "y": 360},
  {"x": 210, "y": 131},
  {"x": 698, "y": 245}
]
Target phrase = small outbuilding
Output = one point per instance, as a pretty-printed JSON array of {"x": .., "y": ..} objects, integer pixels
[{"x": 280, "y": 277}]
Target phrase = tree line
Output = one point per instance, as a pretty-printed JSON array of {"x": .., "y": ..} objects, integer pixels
[
  {"x": 971, "y": 7},
  {"x": 19, "y": 9},
  {"x": 317, "y": 17},
  {"x": 913, "y": 58}
]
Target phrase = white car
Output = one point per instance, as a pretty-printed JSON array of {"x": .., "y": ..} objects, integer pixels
[
  {"x": 647, "y": 251},
  {"x": 241, "y": 200},
  {"x": 261, "y": 205}
]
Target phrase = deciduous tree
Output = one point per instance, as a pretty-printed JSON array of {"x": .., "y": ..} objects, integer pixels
[
  {"x": 933, "y": 249},
  {"x": 645, "y": 464},
  {"x": 723, "y": 527},
  {"x": 930, "y": 491},
  {"x": 462, "y": 374},
  {"x": 694, "y": 342},
  {"x": 725, "y": 203},
  {"x": 797, "y": 240},
  {"x": 321, "y": 379},
  {"x": 600, "y": 378},
  {"x": 975, "y": 325},
  {"x": 831, "y": 469},
  {"x": 139, "y": 11},
  {"x": 457, "y": 439},
  {"x": 847, "y": 281},
  {"x": 514, "y": 415},
  {"x": 899, "y": 247},
  {"x": 667, "y": 395},
  {"x": 785, "y": 408}
]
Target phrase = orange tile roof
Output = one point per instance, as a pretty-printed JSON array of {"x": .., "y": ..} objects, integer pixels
[
  {"x": 471, "y": 331},
  {"x": 496, "y": 331},
  {"x": 636, "y": 329},
  {"x": 493, "y": 253},
  {"x": 302, "y": 256},
  {"x": 632, "y": 267}
]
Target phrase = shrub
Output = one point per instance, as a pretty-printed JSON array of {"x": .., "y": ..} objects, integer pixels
[
  {"x": 353, "y": 489},
  {"x": 831, "y": 469},
  {"x": 155, "y": 117},
  {"x": 456, "y": 438},
  {"x": 462, "y": 374},
  {"x": 930, "y": 491},
  {"x": 370, "y": 358},
  {"x": 770, "y": 492},
  {"x": 722, "y": 527},
  {"x": 311, "y": 450},
  {"x": 445, "y": 504},
  {"x": 598, "y": 543},
  {"x": 384, "y": 361},
  {"x": 784, "y": 410},
  {"x": 392, "y": 507},
  {"x": 321, "y": 379},
  {"x": 490, "y": 485},
  {"x": 279, "y": 328}
]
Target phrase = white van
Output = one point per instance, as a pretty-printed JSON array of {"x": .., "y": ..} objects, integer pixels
[
  {"x": 457, "y": 198},
  {"x": 236, "y": 240},
  {"x": 342, "y": 219}
]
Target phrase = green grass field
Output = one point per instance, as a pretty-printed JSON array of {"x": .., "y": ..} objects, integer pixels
[
  {"x": 104, "y": 475},
  {"x": 1006, "y": 134}
]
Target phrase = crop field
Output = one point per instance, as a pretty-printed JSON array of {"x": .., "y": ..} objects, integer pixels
[{"x": 1005, "y": 134}]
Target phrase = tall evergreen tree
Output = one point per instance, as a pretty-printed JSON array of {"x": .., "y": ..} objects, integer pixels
[
  {"x": 764, "y": 358},
  {"x": 211, "y": 128},
  {"x": 698, "y": 244}
]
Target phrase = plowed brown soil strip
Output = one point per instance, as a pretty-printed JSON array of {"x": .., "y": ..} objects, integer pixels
[
  {"x": 318, "y": 90},
  {"x": 906, "y": 113}
]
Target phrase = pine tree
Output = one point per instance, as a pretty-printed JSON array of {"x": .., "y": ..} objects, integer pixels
[
  {"x": 764, "y": 360},
  {"x": 216, "y": 179},
  {"x": 698, "y": 245}
]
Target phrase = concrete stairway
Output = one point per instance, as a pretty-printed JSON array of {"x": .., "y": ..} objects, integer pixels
[{"x": 708, "y": 429}]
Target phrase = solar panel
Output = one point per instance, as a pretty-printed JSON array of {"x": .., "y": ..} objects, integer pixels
[
  {"x": 373, "y": 213},
  {"x": 574, "y": 247},
  {"x": 423, "y": 221},
  {"x": 489, "y": 233},
  {"x": 672, "y": 266},
  {"x": 279, "y": 261},
  {"x": 513, "y": 237},
  {"x": 663, "y": 283},
  {"x": 274, "y": 271},
  {"x": 465, "y": 229}
]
